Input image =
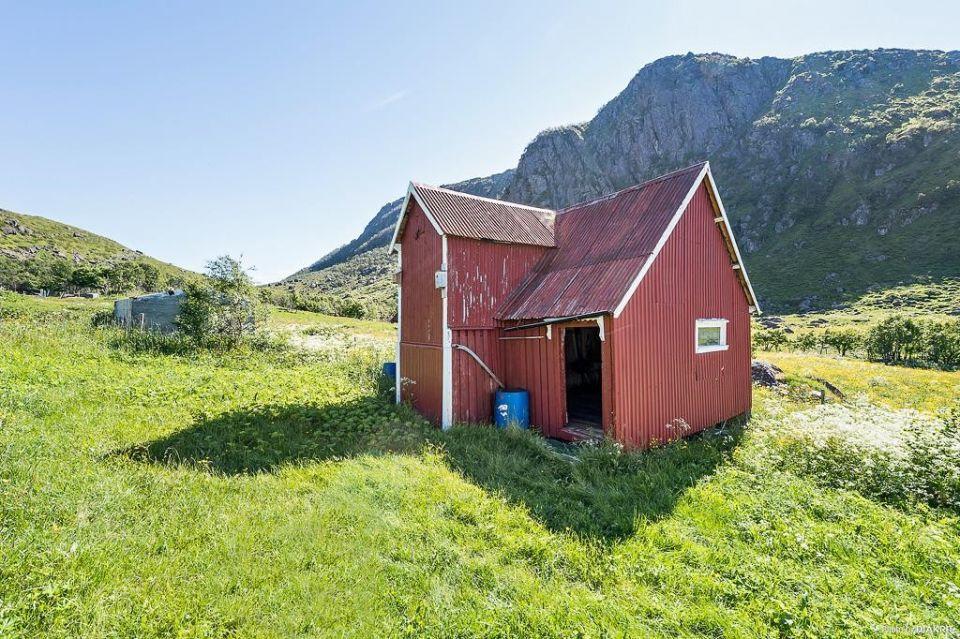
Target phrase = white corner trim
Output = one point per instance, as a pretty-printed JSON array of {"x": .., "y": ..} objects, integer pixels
[
  {"x": 446, "y": 408},
  {"x": 411, "y": 193},
  {"x": 661, "y": 242},
  {"x": 755, "y": 305},
  {"x": 720, "y": 323},
  {"x": 398, "y": 377}
]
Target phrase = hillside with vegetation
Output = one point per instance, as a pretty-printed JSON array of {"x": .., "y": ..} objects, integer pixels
[
  {"x": 278, "y": 492},
  {"x": 355, "y": 280},
  {"x": 37, "y": 254},
  {"x": 839, "y": 169}
]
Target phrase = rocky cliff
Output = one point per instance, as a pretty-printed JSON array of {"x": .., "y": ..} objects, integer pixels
[{"x": 838, "y": 169}]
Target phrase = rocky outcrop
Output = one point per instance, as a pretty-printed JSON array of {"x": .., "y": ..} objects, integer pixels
[{"x": 838, "y": 169}]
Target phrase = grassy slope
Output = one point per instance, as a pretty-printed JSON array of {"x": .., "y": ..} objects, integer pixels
[
  {"x": 316, "y": 509},
  {"x": 59, "y": 242},
  {"x": 890, "y": 386},
  {"x": 932, "y": 300},
  {"x": 366, "y": 277}
]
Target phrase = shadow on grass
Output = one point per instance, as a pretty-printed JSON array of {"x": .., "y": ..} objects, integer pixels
[
  {"x": 601, "y": 495},
  {"x": 604, "y": 493},
  {"x": 260, "y": 440}
]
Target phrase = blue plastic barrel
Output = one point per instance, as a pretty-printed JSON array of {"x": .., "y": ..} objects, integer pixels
[
  {"x": 390, "y": 370},
  {"x": 511, "y": 407}
]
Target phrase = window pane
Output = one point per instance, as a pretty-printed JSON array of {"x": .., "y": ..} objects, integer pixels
[{"x": 708, "y": 336}]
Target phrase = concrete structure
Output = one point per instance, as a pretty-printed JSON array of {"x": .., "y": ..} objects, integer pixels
[
  {"x": 627, "y": 316},
  {"x": 156, "y": 311}
]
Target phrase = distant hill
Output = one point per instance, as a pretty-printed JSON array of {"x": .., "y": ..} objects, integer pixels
[
  {"x": 39, "y": 253},
  {"x": 360, "y": 271},
  {"x": 839, "y": 170}
]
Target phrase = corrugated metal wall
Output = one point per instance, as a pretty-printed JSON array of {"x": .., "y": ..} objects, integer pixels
[
  {"x": 481, "y": 276},
  {"x": 472, "y": 387},
  {"x": 536, "y": 364},
  {"x": 421, "y": 320},
  {"x": 659, "y": 378}
]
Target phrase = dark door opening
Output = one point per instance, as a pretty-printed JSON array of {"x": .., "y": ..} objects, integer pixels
[{"x": 584, "y": 379}]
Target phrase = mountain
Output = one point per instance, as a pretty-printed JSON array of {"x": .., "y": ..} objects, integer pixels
[
  {"x": 379, "y": 230},
  {"x": 361, "y": 269},
  {"x": 39, "y": 253},
  {"x": 839, "y": 170}
]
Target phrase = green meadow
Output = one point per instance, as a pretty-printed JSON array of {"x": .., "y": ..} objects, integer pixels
[{"x": 277, "y": 492}]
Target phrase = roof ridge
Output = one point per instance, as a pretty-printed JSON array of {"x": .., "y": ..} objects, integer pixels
[
  {"x": 635, "y": 187},
  {"x": 480, "y": 197}
]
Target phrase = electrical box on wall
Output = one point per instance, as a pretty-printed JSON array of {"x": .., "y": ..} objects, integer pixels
[{"x": 440, "y": 279}]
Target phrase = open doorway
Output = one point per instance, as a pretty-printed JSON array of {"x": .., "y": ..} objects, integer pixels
[{"x": 584, "y": 380}]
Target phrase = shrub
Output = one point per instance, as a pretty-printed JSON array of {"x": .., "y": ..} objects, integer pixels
[
  {"x": 934, "y": 460},
  {"x": 895, "y": 340},
  {"x": 223, "y": 309},
  {"x": 770, "y": 339},
  {"x": 924, "y": 468},
  {"x": 807, "y": 342},
  {"x": 843, "y": 341},
  {"x": 943, "y": 343},
  {"x": 103, "y": 317}
]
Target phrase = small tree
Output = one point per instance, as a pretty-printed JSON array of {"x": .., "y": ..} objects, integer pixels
[
  {"x": 771, "y": 340},
  {"x": 807, "y": 342},
  {"x": 895, "y": 340},
  {"x": 148, "y": 278},
  {"x": 942, "y": 340},
  {"x": 843, "y": 341},
  {"x": 85, "y": 277},
  {"x": 224, "y": 307}
]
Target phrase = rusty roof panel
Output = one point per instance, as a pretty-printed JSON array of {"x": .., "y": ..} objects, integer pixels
[
  {"x": 601, "y": 247},
  {"x": 462, "y": 215}
]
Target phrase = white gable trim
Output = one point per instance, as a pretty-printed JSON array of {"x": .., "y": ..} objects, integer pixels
[
  {"x": 733, "y": 241},
  {"x": 704, "y": 173},
  {"x": 398, "y": 228}
]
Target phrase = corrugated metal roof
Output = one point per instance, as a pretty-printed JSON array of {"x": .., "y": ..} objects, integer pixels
[
  {"x": 480, "y": 218},
  {"x": 601, "y": 247}
]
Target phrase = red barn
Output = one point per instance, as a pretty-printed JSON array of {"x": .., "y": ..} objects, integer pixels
[{"x": 627, "y": 316}]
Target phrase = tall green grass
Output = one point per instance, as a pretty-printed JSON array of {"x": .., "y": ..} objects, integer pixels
[{"x": 201, "y": 495}]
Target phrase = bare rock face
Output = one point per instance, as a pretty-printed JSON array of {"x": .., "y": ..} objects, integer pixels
[
  {"x": 674, "y": 111},
  {"x": 824, "y": 161},
  {"x": 14, "y": 227}
]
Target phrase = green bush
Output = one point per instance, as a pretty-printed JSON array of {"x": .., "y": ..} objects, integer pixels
[
  {"x": 222, "y": 310},
  {"x": 943, "y": 343},
  {"x": 843, "y": 341},
  {"x": 770, "y": 339}
]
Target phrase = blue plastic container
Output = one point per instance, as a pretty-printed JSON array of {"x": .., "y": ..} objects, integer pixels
[
  {"x": 390, "y": 370},
  {"x": 511, "y": 407}
]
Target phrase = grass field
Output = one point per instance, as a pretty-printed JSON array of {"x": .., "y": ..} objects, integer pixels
[{"x": 276, "y": 494}]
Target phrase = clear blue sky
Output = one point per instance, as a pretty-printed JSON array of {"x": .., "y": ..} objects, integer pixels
[{"x": 277, "y": 129}]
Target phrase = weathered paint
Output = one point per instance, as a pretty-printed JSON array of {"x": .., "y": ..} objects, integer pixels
[
  {"x": 480, "y": 218},
  {"x": 653, "y": 380},
  {"x": 601, "y": 247},
  {"x": 482, "y": 275},
  {"x": 421, "y": 326},
  {"x": 659, "y": 377}
]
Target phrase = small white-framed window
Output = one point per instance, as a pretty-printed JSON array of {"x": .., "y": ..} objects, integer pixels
[{"x": 710, "y": 335}]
